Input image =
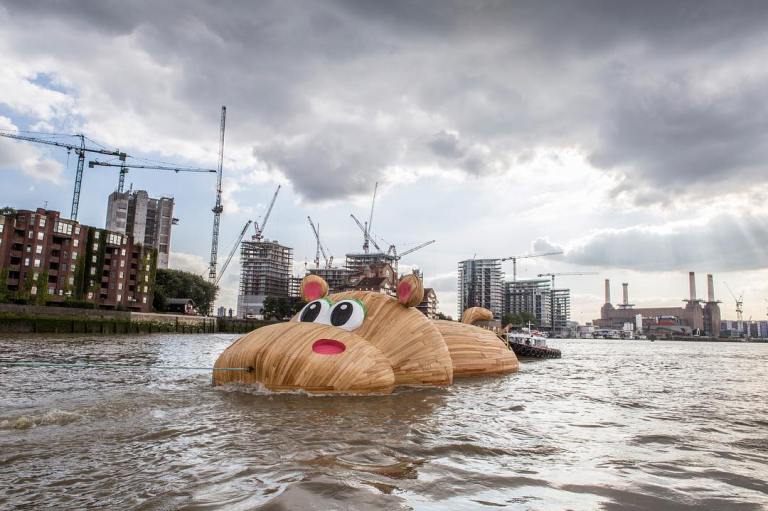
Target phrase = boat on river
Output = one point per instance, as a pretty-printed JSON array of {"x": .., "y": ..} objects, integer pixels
[{"x": 527, "y": 343}]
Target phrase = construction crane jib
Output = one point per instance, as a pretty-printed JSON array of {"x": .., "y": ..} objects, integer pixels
[
  {"x": 319, "y": 247},
  {"x": 80, "y": 150},
  {"x": 124, "y": 170},
  {"x": 259, "y": 229},
  {"x": 232, "y": 252},
  {"x": 525, "y": 256}
]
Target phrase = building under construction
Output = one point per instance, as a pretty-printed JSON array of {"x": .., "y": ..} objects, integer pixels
[
  {"x": 265, "y": 270},
  {"x": 689, "y": 319}
]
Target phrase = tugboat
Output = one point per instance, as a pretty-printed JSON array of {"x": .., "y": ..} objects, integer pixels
[{"x": 527, "y": 343}]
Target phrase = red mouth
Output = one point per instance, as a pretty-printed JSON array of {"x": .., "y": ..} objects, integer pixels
[{"x": 328, "y": 347}]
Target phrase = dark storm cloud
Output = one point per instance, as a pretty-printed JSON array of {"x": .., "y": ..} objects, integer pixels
[{"x": 668, "y": 96}]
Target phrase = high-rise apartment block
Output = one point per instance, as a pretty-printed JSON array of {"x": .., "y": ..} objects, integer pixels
[
  {"x": 146, "y": 219},
  {"x": 45, "y": 258},
  {"x": 532, "y": 296},
  {"x": 481, "y": 285},
  {"x": 265, "y": 270}
]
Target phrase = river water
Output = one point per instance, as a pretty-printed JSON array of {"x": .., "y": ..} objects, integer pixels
[{"x": 612, "y": 425}]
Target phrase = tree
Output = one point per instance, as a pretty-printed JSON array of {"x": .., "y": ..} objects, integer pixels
[
  {"x": 5, "y": 295},
  {"x": 281, "y": 308},
  {"x": 520, "y": 319},
  {"x": 42, "y": 288},
  {"x": 440, "y": 315},
  {"x": 182, "y": 284}
]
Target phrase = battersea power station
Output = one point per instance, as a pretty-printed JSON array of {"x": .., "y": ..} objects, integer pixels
[{"x": 695, "y": 317}]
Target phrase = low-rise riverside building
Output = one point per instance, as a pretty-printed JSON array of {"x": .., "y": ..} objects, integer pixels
[{"x": 46, "y": 259}]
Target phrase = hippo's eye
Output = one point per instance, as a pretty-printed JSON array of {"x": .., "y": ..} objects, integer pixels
[
  {"x": 348, "y": 314},
  {"x": 315, "y": 312}
]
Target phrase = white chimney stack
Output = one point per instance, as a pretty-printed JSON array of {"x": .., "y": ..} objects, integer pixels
[
  {"x": 692, "y": 285},
  {"x": 607, "y": 291},
  {"x": 625, "y": 292},
  {"x": 710, "y": 288}
]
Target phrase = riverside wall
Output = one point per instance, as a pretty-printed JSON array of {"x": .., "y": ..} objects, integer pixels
[{"x": 43, "y": 319}]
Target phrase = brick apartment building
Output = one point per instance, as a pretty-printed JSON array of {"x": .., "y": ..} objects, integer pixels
[{"x": 45, "y": 258}]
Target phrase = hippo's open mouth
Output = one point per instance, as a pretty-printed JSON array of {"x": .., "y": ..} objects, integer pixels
[{"x": 328, "y": 347}]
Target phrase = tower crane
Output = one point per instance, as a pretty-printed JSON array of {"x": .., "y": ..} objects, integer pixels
[
  {"x": 217, "y": 208},
  {"x": 369, "y": 224},
  {"x": 320, "y": 248},
  {"x": 124, "y": 170},
  {"x": 525, "y": 256},
  {"x": 366, "y": 236},
  {"x": 563, "y": 274},
  {"x": 232, "y": 252},
  {"x": 80, "y": 150},
  {"x": 739, "y": 302},
  {"x": 259, "y": 229}
]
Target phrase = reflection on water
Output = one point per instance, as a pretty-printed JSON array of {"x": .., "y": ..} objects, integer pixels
[{"x": 612, "y": 425}]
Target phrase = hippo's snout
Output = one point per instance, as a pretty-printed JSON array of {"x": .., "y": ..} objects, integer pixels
[{"x": 308, "y": 356}]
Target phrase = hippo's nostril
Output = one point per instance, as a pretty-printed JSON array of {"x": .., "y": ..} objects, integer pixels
[{"x": 328, "y": 347}]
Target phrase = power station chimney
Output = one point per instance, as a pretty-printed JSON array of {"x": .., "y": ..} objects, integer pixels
[
  {"x": 710, "y": 288},
  {"x": 625, "y": 292},
  {"x": 692, "y": 285},
  {"x": 607, "y": 290}
]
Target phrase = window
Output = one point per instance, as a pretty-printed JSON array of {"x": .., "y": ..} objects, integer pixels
[
  {"x": 63, "y": 228},
  {"x": 77, "y": 230},
  {"x": 96, "y": 235},
  {"x": 114, "y": 239},
  {"x": 71, "y": 280},
  {"x": 122, "y": 264},
  {"x": 146, "y": 278},
  {"x": 145, "y": 289},
  {"x": 94, "y": 259},
  {"x": 95, "y": 247},
  {"x": 33, "y": 290},
  {"x": 119, "y": 298},
  {"x": 119, "y": 286},
  {"x": 35, "y": 275},
  {"x": 121, "y": 275},
  {"x": 2, "y": 226},
  {"x": 37, "y": 263},
  {"x": 31, "y": 234},
  {"x": 40, "y": 235},
  {"x": 38, "y": 249},
  {"x": 74, "y": 255},
  {"x": 51, "y": 291},
  {"x": 93, "y": 270},
  {"x": 122, "y": 252},
  {"x": 41, "y": 223},
  {"x": 144, "y": 299},
  {"x": 26, "y": 261},
  {"x": 77, "y": 242},
  {"x": 29, "y": 249},
  {"x": 90, "y": 295},
  {"x": 64, "y": 267}
]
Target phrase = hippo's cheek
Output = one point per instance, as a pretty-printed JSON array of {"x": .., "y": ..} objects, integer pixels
[{"x": 307, "y": 356}]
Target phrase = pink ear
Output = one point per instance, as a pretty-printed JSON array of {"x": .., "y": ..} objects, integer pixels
[
  {"x": 313, "y": 291},
  {"x": 404, "y": 290}
]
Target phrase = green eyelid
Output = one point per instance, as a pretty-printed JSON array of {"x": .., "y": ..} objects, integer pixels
[{"x": 365, "y": 309}]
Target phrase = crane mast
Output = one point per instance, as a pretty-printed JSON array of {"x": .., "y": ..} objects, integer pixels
[
  {"x": 218, "y": 208},
  {"x": 259, "y": 229},
  {"x": 365, "y": 235},
  {"x": 369, "y": 224},
  {"x": 80, "y": 150}
]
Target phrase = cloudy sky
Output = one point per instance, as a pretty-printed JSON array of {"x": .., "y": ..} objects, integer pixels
[{"x": 632, "y": 135}]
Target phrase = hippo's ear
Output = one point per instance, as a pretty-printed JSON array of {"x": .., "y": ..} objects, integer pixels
[
  {"x": 313, "y": 287},
  {"x": 410, "y": 291}
]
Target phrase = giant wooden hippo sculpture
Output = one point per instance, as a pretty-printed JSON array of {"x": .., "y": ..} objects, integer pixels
[{"x": 362, "y": 342}]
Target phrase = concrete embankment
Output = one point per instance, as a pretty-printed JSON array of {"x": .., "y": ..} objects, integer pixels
[{"x": 32, "y": 319}]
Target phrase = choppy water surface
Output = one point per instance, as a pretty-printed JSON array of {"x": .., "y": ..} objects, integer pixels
[{"x": 613, "y": 425}]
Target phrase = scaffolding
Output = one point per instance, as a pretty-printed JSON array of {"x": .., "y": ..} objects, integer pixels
[
  {"x": 358, "y": 263},
  {"x": 266, "y": 268}
]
